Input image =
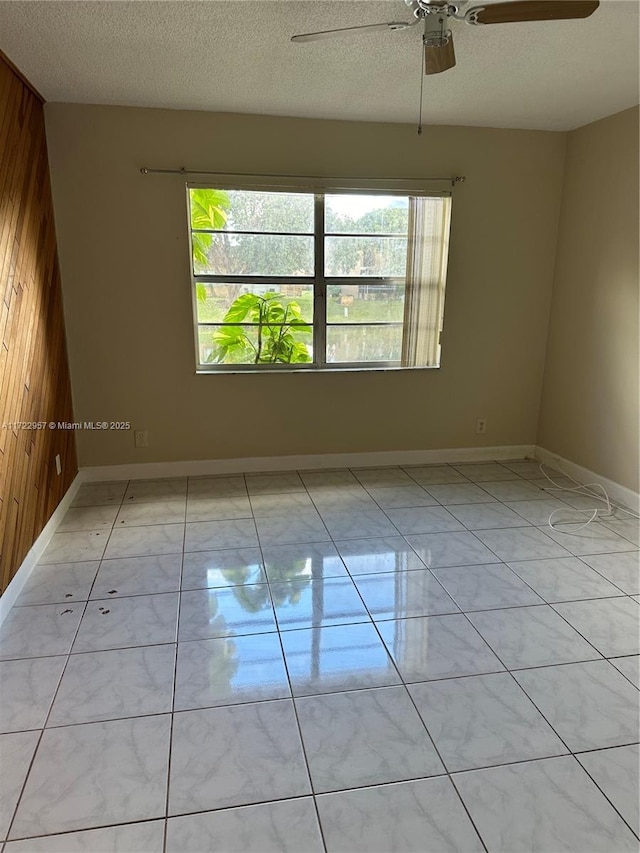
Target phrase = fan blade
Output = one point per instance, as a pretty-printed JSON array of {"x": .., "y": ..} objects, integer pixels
[
  {"x": 531, "y": 10},
  {"x": 439, "y": 58},
  {"x": 392, "y": 25}
]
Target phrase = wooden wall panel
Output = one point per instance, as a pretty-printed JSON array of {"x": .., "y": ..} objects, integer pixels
[{"x": 34, "y": 373}]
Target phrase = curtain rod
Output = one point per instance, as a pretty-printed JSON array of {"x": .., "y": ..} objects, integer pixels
[{"x": 452, "y": 179}]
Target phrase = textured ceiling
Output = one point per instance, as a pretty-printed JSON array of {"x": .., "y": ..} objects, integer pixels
[{"x": 235, "y": 56}]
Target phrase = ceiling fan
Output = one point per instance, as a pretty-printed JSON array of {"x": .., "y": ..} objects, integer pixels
[{"x": 439, "y": 54}]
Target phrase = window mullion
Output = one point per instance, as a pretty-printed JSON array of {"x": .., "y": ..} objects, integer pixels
[{"x": 320, "y": 286}]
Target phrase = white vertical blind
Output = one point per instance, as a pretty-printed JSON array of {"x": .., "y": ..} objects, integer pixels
[{"x": 427, "y": 253}]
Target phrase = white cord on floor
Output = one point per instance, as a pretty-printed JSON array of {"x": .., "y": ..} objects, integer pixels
[{"x": 585, "y": 490}]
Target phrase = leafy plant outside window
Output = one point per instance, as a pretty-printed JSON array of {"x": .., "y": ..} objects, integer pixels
[
  {"x": 280, "y": 327},
  {"x": 208, "y": 210},
  {"x": 279, "y": 322}
]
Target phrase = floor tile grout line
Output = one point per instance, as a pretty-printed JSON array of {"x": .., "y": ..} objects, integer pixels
[
  {"x": 553, "y": 729},
  {"x": 521, "y": 687},
  {"x": 545, "y": 528},
  {"x": 602, "y": 657},
  {"x": 295, "y": 711},
  {"x": 375, "y": 620},
  {"x": 22, "y": 788},
  {"x": 628, "y": 539},
  {"x": 118, "y": 503},
  {"x": 624, "y": 674},
  {"x": 448, "y": 677},
  {"x": 464, "y": 482},
  {"x": 520, "y": 761},
  {"x": 611, "y": 803},
  {"x": 562, "y": 556},
  {"x": 173, "y": 694},
  {"x": 511, "y": 671},
  {"x": 571, "y": 752},
  {"x": 226, "y": 808},
  {"x": 331, "y": 538},
  {"x": 222, "y": 809},
  {"x": 576, "y": 629},
  {"x": 87, "y": 829},
  {"x": 350, "y": 576},
  {"x": 593, "y": 749},
  {"x": 441, "y": 775},
  {"x": 440, "y": 506},
  {"x": 431, "y": 739},
  {"x": 159, "y": 818},
  {"x": 614, "y": 553},
  {"x": 48, "y": 715},
  {"x": 220, "y": 588},
  {"x": 515, "y": 574},
  {"x": 415, "y": 616},
  {"x": 406, "y": 469},
  {"x": 544, "y": 717},
  {"x": 334, "y": 542},
  {"x": 391, "y": 659},
  {"x": 563, "y": 601},
  {"x": 500, "y": 562},
  {"x": 509, "y": 560},
  {"x": 394, "y": 535},
  {"x": 310, "y": 496},
  {"x": 434, "y": 681}
]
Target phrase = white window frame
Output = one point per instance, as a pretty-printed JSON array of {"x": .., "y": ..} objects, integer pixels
[{"x": 319, "y": 280}]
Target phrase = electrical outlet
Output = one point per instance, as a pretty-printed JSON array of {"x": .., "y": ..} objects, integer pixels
[
  {"x": 141, "y": 438},
  {"x": 58, "y": 464},
  {"x": 481, "y": 426}
]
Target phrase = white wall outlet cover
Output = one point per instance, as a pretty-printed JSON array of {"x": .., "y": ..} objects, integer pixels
[{"x": 141, "y": 438}]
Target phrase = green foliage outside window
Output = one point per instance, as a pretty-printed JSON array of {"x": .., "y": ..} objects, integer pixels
[
  {"x": 279, "y": 328},
  {"x": 208, "y": 210}
]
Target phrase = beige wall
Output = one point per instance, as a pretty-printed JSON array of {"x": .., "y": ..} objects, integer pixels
[
  {"x": 124, "y": 256},
  {"x": 589, "y": 409}
]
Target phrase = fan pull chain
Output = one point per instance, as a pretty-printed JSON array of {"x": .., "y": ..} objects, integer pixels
[{"x": 423, "y": 59}]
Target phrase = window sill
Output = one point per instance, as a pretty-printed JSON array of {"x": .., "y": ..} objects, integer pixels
[{"x": 311, "y": 370}]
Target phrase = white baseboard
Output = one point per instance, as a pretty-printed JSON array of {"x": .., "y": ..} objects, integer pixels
[
  {"x": 16, "y": 583},
  {"x": 210, "y": 467},
  {"x": 618, "y": 494}
]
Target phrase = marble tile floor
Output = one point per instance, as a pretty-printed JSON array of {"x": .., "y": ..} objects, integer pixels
[{"x": 397, "y": 660}]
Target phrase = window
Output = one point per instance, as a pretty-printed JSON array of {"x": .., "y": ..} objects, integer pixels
[{"x": 309, "y": 280}]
